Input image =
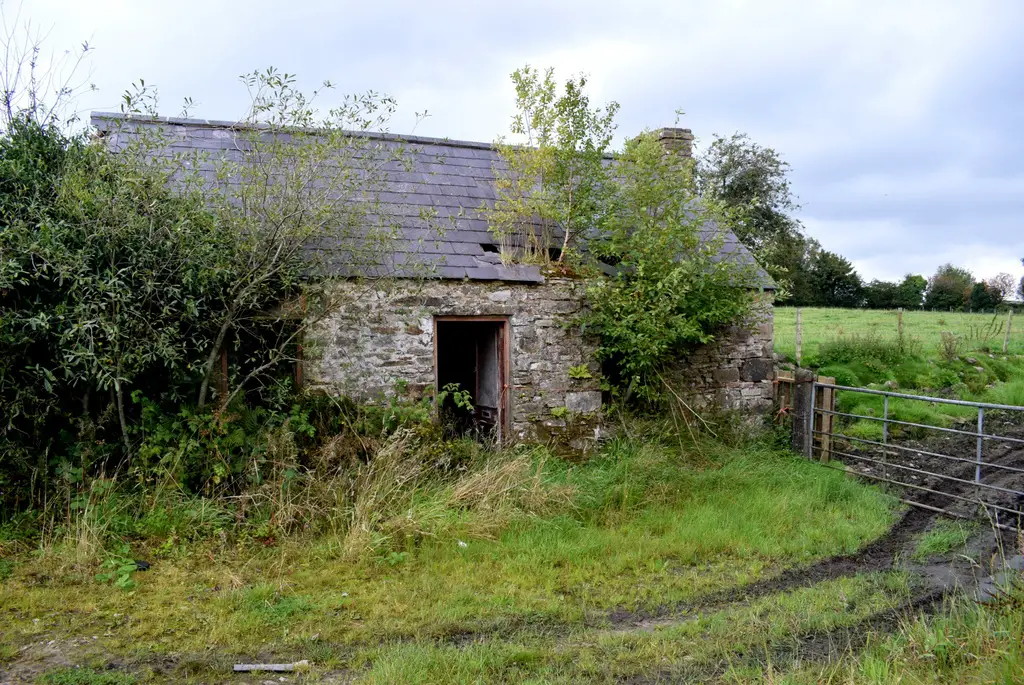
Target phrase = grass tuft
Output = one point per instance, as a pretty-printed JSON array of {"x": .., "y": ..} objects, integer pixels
[{"x": 944, "y": 536}]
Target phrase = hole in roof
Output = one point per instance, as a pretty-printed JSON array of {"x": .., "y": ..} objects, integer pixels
[
  {"x": 610, "y": 260},
  {"x": 489, "y": 247}
]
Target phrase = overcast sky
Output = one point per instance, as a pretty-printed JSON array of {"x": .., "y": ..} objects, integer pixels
[{"x": 903, "y": 121}]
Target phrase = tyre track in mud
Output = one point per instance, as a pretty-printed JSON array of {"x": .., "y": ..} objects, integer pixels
[
  {"x": 814, "y": 647},
  {"x": 879, "y": 555}
]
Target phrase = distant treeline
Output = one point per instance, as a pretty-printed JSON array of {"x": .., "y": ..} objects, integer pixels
[
  {"x": 951, "y": 288},
  {"x": 751, "y": 182}
]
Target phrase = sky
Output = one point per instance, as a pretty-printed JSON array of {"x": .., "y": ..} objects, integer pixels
[{"x": 902, "y": 121}]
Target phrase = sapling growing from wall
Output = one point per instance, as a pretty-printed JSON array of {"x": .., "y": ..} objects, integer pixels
[
  {"x": 647, "y": 242},
  {"x": 555, "y": 177},
  {"x": 670, "y": 290}
]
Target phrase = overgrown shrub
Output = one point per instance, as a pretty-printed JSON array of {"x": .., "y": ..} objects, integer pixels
[
  {"x": 635, "y": 225},
  {"x": 669, "y": 291},
  {"x": 126, "y": 274}
]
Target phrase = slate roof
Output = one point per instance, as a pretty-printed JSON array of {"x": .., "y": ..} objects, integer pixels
[{"x": 454, "y": 179}]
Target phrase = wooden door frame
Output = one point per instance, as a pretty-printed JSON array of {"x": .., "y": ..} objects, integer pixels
[{"x": 504, "y": 403}]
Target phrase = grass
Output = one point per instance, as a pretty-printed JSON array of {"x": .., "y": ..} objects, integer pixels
[
  {"x": 642, "y": 526},
  {"x": 945, "y": 536},
  {"x": 977, "y": 332},
  {"x": 860, "y": 348},
  {"x": 965, "y": 642},
  {"x": 86, "y": 676}
]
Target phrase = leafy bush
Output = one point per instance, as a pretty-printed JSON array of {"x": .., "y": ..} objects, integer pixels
[
  {"x": 639, "y": 218},
  {"x": 669, "y": 292}
]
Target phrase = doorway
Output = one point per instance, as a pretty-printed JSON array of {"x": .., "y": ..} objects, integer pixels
[{"x": 471, "y": 356}]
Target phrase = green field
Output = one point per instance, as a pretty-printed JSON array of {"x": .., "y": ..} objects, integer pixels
[
  {"x": 978, "y": 332},
  {"x": 861, "y": 348}
]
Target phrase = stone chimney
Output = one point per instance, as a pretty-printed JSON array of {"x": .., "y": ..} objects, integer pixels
[{"x": 677, "y": 141}]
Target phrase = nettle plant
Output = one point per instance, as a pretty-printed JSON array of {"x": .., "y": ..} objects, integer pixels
[{"x": 632, "y": 223}]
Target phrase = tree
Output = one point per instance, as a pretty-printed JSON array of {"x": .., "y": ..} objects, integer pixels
[
  {"x": 907, "y": 294},
  {"x": 983, "y": 296},
  {"x": 304, "y": 180},
  {"x": 881, "y": 295},
  {"x": 670, "y": 292},
  {"x": 833, "y": 281},
  {"x": 751, "y": 181},
  {"x": 555, "y": 178},
  {"x": 1020, "y": 286},
  {"x": 655, "y": 288},
  {"x": 108, "y": 282},
  {"x": 948, "y": 288},
  {"x": 911, "y": 291},
  {"x": 125, "y": 271},
  {"x": 1003, "y": 282}
]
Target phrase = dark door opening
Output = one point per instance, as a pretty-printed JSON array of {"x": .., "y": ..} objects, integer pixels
[{"x": 472, "y": 355}]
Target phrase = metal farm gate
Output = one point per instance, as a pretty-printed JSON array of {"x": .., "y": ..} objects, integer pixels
[{"x": 973, "y": 467}]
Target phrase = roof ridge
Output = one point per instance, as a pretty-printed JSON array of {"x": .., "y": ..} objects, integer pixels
[{"x": 238, "y": 125}]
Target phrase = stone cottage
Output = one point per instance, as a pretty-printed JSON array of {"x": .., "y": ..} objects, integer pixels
[{"x": 502, "y": 331}]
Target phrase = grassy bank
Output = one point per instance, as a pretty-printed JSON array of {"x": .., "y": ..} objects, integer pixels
[{"x": 565, "y": 553}]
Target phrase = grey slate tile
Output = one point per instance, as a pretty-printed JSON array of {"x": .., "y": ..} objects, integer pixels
[{"x": 437, "y": 184}]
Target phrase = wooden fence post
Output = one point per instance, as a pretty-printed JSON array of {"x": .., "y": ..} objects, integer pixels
[
  {"x": 799, "y": 336},
  {"x": 899, "y": 327},
  {"x": 802, "y": 409},
  {"x": 825, "y": 402},
  {"x": 1006, "y": 336}
]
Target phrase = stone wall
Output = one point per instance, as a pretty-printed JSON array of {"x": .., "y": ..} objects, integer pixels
[
  {"x": 737, "y": 371},
  {"x": 384, "y": 336},
  {"x": 383, "y": 339}
]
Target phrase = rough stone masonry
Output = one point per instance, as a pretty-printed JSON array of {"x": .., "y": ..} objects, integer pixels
[{"x": 382, "y": 340}]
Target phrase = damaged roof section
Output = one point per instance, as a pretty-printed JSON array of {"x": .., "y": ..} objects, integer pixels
[{"x": 454, "y": 182}]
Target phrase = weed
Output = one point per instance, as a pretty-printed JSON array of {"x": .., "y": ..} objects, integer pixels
[
  {"x": 867, "y": 348},
  {"x": 1010, "y": 393},
  {"x": 118, "y": 568},
  {"x": 580, "y": 371},
  {"x": 950, "y": 346}
]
